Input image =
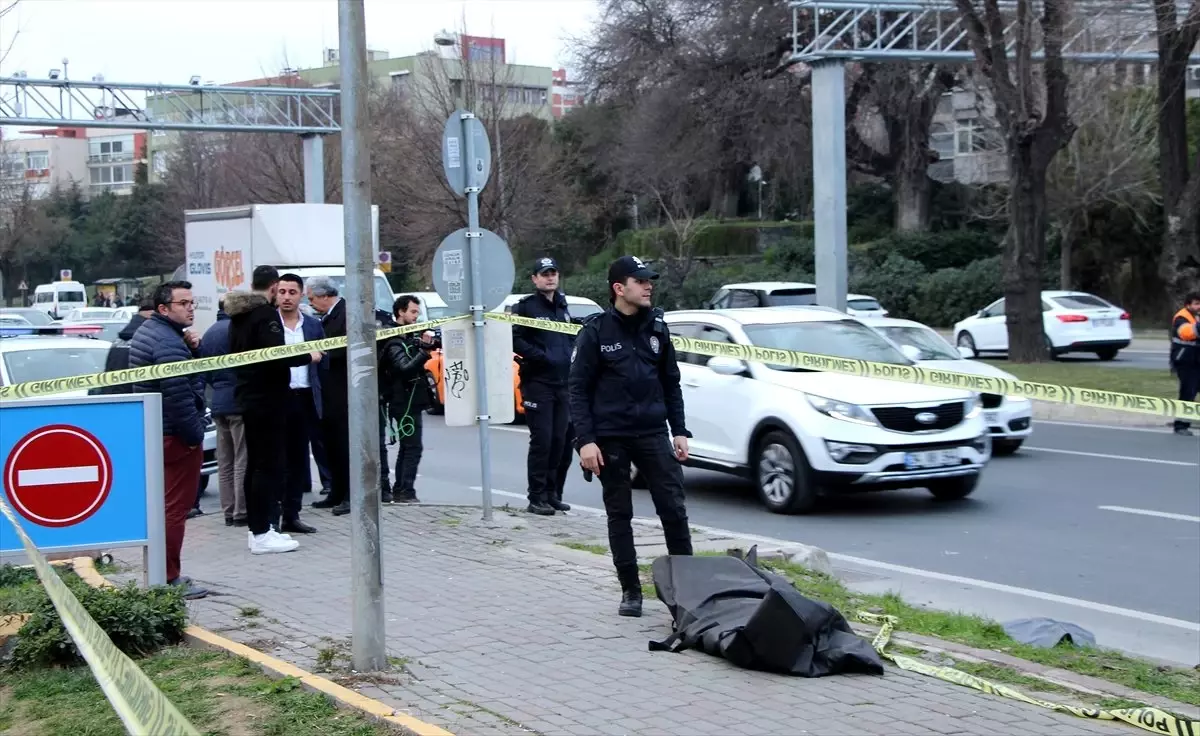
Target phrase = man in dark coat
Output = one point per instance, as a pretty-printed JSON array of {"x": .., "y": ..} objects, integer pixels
[
  {"x": 118, "y": 355},
  {"x": 403, "y": 363},
  {"x": 262, "y": 393},
  {"x": 161, "y": 339},
  {"x": 335, "y": 399}
]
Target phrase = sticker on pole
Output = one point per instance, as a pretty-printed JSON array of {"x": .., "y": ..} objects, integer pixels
[
  {"x": 58, "y": 476},
  {"x": 460, "y": 171}
]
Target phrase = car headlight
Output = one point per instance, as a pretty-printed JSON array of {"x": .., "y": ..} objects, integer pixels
[
  {"x": 972, "y": 406},
  {"x": 841, "y": 410}
]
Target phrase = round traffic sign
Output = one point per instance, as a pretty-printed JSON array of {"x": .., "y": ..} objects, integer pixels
[{"x": 58, "y": 475}]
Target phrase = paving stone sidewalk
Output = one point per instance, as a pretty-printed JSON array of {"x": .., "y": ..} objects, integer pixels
[{"x": 502, "y": 630}]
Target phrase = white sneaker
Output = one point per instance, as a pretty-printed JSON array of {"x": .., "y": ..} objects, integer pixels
[
  {"x": 270, "y": 543},
  {"x": 275, "y": 532}
]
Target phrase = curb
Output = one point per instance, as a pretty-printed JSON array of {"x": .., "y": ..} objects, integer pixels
[{"x": 341, "y": 696}]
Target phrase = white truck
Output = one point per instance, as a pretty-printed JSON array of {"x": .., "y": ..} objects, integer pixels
[{"x": 225, "y": 245}]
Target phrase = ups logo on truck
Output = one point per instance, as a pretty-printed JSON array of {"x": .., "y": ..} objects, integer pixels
[{"x": 227, "y": 268}]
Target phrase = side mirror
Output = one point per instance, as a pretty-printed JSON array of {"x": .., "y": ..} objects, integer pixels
[
  {"x": 965, "y": 352},
  {"x": 726, "y": 366},
  {"x": 911, "y": 353},
  {"x": 982, "y": 313}
]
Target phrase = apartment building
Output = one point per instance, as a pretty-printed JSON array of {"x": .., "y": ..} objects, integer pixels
[
  {"x": 564, "y": 94},
  {"x": 94, "y": 159},
  {"x": 472, "y": 70}
]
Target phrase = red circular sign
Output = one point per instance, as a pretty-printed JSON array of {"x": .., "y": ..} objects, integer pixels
[{"x": 57, "y": 476}]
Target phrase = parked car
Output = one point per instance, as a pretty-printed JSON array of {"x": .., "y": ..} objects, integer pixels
[
  {"x": 799, "y": 434},
  {"x": 578, "y": 307},
  {"x": 88, "y": 314},
  {"x": 29, "y": 314},
  {"x": 1010, "y": 419},
  {"x": 787, "y": 294},
  {"x": 1073, "y": 321}
]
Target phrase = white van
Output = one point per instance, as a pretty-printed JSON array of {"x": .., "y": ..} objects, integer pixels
[{"x": 59, "y": 298}]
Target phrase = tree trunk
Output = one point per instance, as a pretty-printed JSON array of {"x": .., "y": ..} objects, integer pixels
[
  {"x": 908, "y": 140},
  {"x": 1066, "y": 246},
  {"x": 913, "y": 192},
  {"x": 1024, "y": 253}
]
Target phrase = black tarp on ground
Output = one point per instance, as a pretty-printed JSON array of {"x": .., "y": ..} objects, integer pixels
[{"x": 731, "y": 608}]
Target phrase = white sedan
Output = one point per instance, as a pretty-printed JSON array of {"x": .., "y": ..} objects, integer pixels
[
  {"x": 1009, "y": 419},
  {"x": 799, "y": 433},
  {"x": 1073, "y": 321}
]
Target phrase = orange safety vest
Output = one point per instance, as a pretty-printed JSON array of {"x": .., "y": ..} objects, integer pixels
[{"x": 1191, "y": 318}]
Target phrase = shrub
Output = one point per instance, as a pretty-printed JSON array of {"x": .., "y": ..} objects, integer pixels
[
  {"x": 952, "y": 294},
  {"x": 592, "y": 286},
  {"x": 795, "y": 255},
  {"x": 139, "y": 621},
  {"x": 894, "y": 283},
  {"x": 934, "y": 251}
]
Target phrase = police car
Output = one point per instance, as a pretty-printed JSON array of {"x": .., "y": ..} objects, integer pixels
[
  {"x": 33, "y": 353},
  {"x": 799, "y": 434},
  {"x": 1010, "y": 419}
]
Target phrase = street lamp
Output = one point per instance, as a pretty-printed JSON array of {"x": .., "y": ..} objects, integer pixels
[{"x": 756, "y": 175}]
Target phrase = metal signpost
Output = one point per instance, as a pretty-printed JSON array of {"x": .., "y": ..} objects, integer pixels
[
  {"x": 85, "y": 474},
  {"x": 482, "y": 282}
]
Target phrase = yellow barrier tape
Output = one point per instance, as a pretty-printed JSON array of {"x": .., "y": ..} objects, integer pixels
[
  {"x": 89, "y": 381},
  {"x": 138, "y": 702},
  {"x": 1148, "y": 719},
  {"x": 1167, "y": 408}
]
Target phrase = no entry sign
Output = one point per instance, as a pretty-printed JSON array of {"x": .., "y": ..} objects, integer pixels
[{"x": 58, "y": 476}]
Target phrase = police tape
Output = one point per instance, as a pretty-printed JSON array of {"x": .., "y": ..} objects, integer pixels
[
  {"x": 140, "y": 705},
  {"x": 1150, "y": 719},
  {"x": 1072, "y": 395},
  {"x": 90, "y": 381}
]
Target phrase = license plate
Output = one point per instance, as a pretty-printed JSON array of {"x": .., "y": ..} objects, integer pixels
[
  {"x": 931, "y": 459},
  {"x": 991, "y": 417},
  {"x": 1103, "y": 322}
]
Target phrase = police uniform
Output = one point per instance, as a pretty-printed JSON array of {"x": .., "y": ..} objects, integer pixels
[
  {"x": 1185, "y": 358},
  {"x": 624, "y": 394},
  {"x": 545, "y": 362}
]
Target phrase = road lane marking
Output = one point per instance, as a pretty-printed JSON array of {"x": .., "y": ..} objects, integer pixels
[
  {"x": 58, "y": 476},
  {"x": 1192, "y": 626},
  {"x": 1147, "y": 512},
  {"x": 1106, "y": 456}
]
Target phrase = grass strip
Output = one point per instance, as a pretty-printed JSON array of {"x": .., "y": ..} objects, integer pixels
[
  {"x": 220, "y": 694},
  {"x": 1140, "y": 381}
]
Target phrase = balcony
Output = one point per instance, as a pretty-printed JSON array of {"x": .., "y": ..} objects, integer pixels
[{"x": 110, "y": 158}]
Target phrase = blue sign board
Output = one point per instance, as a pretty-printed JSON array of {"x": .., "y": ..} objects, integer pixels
[{"x": 84, "y": 474}]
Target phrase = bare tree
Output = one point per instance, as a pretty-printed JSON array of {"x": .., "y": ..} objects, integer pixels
[
  {"x": 1111, "y": 160},
  {"x": 1179, "y": 264},
  {"x": 1036, "y": 125}
]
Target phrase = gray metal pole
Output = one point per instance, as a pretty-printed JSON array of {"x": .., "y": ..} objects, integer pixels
[
  {"x": 829, "y": 180},
  {"x": 369, "y": 645},
  {"x": 485, "y": 445},
  {"x": 314, "y": 168}
]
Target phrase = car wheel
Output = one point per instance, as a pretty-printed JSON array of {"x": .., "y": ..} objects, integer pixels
[
  {"x": 1051, "y": 352},
  {"x": 782, "y": 475},
  {"x": 1004, "y": 448},
  {"x": 1107, "y": 353},
  {"x": 637, "y": 480},
  {"x": 966, "y": 341},
  {"x": 953, "y": 489}
]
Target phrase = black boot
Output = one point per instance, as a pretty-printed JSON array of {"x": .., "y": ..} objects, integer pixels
[
  {"x": 631, "y": 592},
  {"x": 557, "y": 504},
  {"x": 540, "y": 507}
]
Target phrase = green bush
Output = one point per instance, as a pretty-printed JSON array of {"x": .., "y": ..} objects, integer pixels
[
  {"x": 592, "y": 286},
  {"x": 792, "y": 255},
  {"x": 952, "y": 294},
  {"x": 934, "y": 251},
  {"x": 139, "y": 621},
  {"x": 894, "y": 283}
]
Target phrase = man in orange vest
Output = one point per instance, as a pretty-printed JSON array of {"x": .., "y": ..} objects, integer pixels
[{"x": 1185, "y": 354}]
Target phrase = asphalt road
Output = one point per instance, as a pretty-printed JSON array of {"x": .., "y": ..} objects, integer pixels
[
  {"x": 1100, "y": 518},
  {"x": 1152, "y": 359}
]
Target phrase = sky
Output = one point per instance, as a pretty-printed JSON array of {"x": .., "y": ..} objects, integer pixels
[{"x": 168, "y": 41}]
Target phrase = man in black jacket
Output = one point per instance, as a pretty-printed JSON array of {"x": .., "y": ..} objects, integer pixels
[
  {"x": 118, "y": 354},
  {"x": 545, "y": 362},
  {"x": 158, "y": 340},
  {"x": 262, "y": 393},
  {"x": 403, "y": 363},
  {"x": 335, "y": 395},
  {"x": 624, "y": 394}
]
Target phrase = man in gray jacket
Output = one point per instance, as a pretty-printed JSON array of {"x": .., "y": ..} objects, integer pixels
[{"x": 162, "y": 339}]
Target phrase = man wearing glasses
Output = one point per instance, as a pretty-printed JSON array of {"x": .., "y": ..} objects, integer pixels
[{"x": 163, "y": 338}]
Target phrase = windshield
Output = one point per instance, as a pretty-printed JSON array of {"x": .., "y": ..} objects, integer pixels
[
  {"x": 72, "y": 296},
  {"x": 48, "y": 364},
  {"x": 866, "y": 305},
  {"x": 383, "y": 292},
  {"x": 110, "y": 331},
  {"x": 32, "y": 316},
  {"x": 579, "y": 311},
  {"x": 804, "y": 297},
  {"x": 931, "y": 344},
  {"x": 842, "y": 339},
  {"x": 1082, "y": 301},
  {"x": 433, "y": 313}
]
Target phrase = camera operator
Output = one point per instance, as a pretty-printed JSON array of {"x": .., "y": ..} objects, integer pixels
[{"x": 404, "y": 359}]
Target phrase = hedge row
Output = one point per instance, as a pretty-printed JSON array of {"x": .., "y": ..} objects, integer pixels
[{"x": 937, "y": 278}]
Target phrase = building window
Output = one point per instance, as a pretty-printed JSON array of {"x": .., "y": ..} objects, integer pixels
[
  {"x": 105, "y": 151},
  {"x": 12, "y": 166},
  {"x": 941, "y": 140},
  {"x": 37, "y": 160},
  {"x": 970, "y": 137},
  {"x": 160, "y": 163},
  {"x": 112, "y": 175}
]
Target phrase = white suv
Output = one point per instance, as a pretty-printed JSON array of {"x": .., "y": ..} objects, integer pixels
[{"x": 798, "y": 434}]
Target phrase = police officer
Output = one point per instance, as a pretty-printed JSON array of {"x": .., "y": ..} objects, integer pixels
[
  {"x": 624, "y": 394},
  {"x": 545, "y": 361},
  {"x": 1185, "y": 354}
]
